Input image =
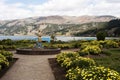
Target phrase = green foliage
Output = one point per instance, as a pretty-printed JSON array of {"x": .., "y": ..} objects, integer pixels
[
  {"x": 111, "y": 44},
  {"x": 5, "y": 57},
  {"x": 82, "y": 62},
  {"x": 53, "y": 38},
  {"x": 62, "y": 46},
  {"x": 101, "y": 35},
  {"x": 90, "y": 49},
  {"x": 95, "y": 47},
  {"x": 72, "y": 59},
  {"x": 6, "y": 42},
  {"x": 92, "y": 73},
  {"x": 62, "y": 56},
  {"x": 112, "y": 61},
  {"x": 7, "y": 54},
  {"x": 81, "y": 68},
  {"x": 1, "y": 47},
  {"x": 106, "y": 52},
  {"x": 3, "y": 61}
]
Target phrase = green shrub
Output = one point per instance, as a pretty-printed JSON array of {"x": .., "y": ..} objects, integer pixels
[
  {"x": 90, "y": 49},
  {"x": 62, "y": 56},
  {"x": 6, "y": 47},
  {"x": 101, "y": 35},
  {"x": 82, "y": 62},
  {"x": 111, "y": 44},
  {"x": 1, "y": 47},
  {"x": 84, "y": 45},
  {"x": 72, "y": 59},
  {"x": 64, "y": 46},
  {"x": 7, "y": 54},
  {"x": 3, "y": 61},
  {"x": 92, "y": 73},
  {"x": 94, "y": 42},
  {"x": 76, "y": 45}
]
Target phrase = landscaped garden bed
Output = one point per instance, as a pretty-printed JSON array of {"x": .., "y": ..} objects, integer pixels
[
  {"x": 4, "y": 70},
  {"x": 6, "y": 61},
  {"x": 94, "y": 61},
  {"x": 57, "y": 70}
]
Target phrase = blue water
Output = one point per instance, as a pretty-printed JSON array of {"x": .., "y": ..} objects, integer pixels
[
  {"x": 47, "y": 38},
  {"x": 44, "y": 38}
]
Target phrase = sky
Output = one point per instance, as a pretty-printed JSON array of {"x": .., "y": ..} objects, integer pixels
[{"x": 18, "y": 9}]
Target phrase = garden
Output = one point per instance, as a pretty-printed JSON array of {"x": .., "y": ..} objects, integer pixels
[{"x": 95, "y": 60}]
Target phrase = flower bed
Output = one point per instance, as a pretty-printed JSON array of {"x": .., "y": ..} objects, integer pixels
[
  {"x": 84, "y": 68},
  {"x": 6, "y": 61}
]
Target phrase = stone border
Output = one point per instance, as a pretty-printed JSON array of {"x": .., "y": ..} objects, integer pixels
[{"x": 37, "y": 51}]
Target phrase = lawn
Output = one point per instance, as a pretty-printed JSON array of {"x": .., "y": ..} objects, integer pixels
[{"x": 112, "y": 61}]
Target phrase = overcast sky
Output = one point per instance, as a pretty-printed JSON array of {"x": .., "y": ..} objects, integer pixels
[{"x": 16, "y": 9}]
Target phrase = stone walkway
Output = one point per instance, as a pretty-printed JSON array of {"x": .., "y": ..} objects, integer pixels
[{"x": 30, "y": 67}]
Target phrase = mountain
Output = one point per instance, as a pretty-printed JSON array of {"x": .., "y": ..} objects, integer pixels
[{"x": 59, "y": 25}]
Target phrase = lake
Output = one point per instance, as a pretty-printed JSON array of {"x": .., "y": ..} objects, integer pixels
[{"x": 47, "y": 38}]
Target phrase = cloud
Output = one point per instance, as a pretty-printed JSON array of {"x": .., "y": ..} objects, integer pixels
[
  {"x": 13, "y": 11},
  {"x": 113, "y": 1},
  {"x": 60, "y": 7}
]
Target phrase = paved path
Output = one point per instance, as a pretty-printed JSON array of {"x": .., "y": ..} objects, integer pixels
[{"x": 30, "y": 67}]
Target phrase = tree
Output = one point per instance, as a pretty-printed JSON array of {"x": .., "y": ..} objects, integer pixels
[
  {"x": 53, "y": 38},
  {"x": 101, "y": 35}
]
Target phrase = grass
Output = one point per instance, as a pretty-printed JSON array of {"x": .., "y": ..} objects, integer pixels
[{"x": 112, "y": 61}]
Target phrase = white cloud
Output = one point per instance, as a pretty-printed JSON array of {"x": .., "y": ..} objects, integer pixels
[
  {"x": 13, "y": 11},
  {"x": 60, "y": 7},
  {"x": 113, "y": 1}
]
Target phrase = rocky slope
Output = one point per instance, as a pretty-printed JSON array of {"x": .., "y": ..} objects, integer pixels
[{"x": 59, "y": 25}]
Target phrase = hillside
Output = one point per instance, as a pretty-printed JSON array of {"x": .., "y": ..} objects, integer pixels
[{"x": 59, "y": 25}]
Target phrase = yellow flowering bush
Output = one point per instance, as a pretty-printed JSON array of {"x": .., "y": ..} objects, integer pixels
[
  {"x": 7, "y": 54},
  {"x": 94, "y": 42},
  {"x": 62, "y": 56},
  {"x": 82, "y": 62},
  {"x": 90, "y": 49},
  {"x": 3, "y": 61},
  {"x": 62, "y": 46},
  {"x": 111, "y": 44},
  {"x": 92, "y": 73},
  {"x": 69, "y": 60}
]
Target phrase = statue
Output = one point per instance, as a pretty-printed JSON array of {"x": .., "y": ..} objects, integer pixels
[{"x": 39, "y": 42}]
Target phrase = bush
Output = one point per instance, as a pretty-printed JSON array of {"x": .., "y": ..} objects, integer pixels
[
  {"x": 62, "y": 56},
  {"x": 92, "y": 73},
  {"x": 72, "y": 59},
  {"x": 3, "y": 61},
  {"x": 76, "y": 45},
  {"x": 101, "y": 35},
  {"x": 111, "y": 44},
  {"x": 6, "y": 47},
  {"x": 8, "y": 55},
  {"x": 1, "y": 47},
  {"x": 90, "y": 49},
  {"x": 82, "y": 62}
]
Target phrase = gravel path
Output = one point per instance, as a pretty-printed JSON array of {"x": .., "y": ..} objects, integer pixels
[{"x": 30, "y": 67}]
